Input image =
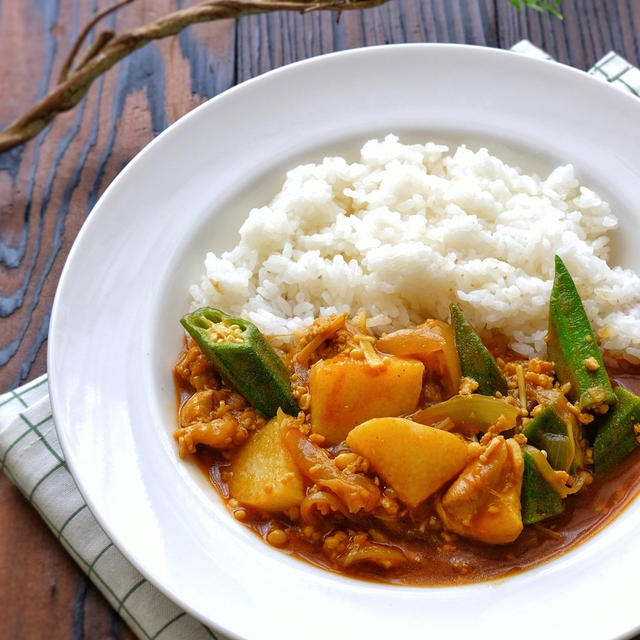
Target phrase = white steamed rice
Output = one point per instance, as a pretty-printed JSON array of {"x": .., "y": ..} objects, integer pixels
[{"x": 409, "y": 229}]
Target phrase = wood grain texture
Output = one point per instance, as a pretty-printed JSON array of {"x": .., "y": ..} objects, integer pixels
[
  {"x": 48, "y": 187},
  {"x": 590, "y": 29}
]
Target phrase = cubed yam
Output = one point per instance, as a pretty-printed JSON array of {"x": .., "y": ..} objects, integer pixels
[
  {"x": 414, "y": 459},
  {"x": 346, "y": 392},
  {"x": 263, "y": 473}
]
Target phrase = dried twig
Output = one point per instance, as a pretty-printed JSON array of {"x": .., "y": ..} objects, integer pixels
[
  {"x": 98, "y": 44},
  {"x": 108, "y": 49}
]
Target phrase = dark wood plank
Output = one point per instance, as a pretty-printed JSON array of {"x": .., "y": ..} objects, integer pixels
[
  {"x": 589, "y": 30},
  {"x": 46, "y": 191},
  {"x": 48, "y": 187},
  {"x": 269, "y": 41},
  {"x": 134, "y": 102}
]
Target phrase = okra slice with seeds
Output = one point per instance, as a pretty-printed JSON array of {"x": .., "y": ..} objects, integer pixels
[
  {"x": 618, "y": 432},
  {"x": 572, "y": 346},
  {"x": 244, "y": 358},
  {"x": 475, "y": 359}
]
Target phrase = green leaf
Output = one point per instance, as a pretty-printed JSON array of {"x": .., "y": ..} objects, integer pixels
[{"x": 552, "y": 6}]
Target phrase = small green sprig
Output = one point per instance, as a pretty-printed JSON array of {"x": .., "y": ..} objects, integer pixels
[{"x": 552, "y": 6}]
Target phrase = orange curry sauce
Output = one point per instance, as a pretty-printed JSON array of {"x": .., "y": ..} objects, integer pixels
[{"x": 440, "y": 558}]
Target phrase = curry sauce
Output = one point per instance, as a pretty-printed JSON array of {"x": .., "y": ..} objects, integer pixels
[
  {"x": 335, "y": 510},
  {"x": 442, "y": 559}
]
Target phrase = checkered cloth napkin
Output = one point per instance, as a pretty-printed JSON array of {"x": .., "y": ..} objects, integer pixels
[
  {"x": 612, "y": 68},
  {"x": 31, "y": 457}
]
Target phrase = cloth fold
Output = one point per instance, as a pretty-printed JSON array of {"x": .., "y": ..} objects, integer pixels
[{"x": 31, "y": 457}]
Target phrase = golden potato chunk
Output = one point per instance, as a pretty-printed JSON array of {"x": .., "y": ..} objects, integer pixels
[
  {"x": 263, "y": 473},
  {"x": 346, "y": 392},
  {"x": 414, "y": 459}
]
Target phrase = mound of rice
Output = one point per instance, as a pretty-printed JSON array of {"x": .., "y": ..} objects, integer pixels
[{"x": 409, "y": 229}]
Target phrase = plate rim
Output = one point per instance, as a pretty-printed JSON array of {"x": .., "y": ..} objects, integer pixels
[{"x": 173, "y": 129}]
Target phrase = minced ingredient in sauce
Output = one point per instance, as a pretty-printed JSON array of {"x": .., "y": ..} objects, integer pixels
[{"x": 418, "y": 457}]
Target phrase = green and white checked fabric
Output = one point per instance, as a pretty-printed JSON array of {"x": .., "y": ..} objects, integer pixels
[
  {"x": 612, "y": 68},
  {"x": 31, "y": 457},
  {"x": 618, "y": 72}
]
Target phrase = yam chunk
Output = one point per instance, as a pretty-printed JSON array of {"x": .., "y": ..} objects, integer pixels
[
  {"x": 346, "y": 392},
  {"x": 264, "y": 474},
  {"x": 414, "y": 459}
]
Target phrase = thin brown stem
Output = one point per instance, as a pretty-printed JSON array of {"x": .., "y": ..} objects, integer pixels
[
  {"x": 68, "y": 62},
  {"x": 98, "y": 45},
  {"x": 108, "y": 50}
]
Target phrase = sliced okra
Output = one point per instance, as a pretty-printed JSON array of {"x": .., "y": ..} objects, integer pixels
[
  {"x": 244, "y": 358},
  {"x": 617, "y": 432},
  {"x": 476, "y": 361},
  {"x": 572, "y": 346}
]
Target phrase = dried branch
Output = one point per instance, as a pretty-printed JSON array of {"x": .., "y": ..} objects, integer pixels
[
  {"x": 100, "y": 41},
  {"x": 108, "y": 49}
]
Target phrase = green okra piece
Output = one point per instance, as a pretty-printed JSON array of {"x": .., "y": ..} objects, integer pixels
[
  {"x": 617, "y": 432},
  {"x": 572, "y": 346},
  {"x": 244, "y": 358},
  {"x": 538, "y": 499},
  {"x": 549, "y": 432},
  {"x": 475, "y": 359}
]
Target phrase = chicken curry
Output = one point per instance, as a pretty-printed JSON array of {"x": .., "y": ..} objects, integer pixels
[{"x": 424, "y": 456}]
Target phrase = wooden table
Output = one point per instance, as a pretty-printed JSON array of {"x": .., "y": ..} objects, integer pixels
[{"x": 48, "y": 186}]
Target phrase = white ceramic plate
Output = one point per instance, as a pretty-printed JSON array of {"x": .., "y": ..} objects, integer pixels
[{"x": 115, "y": 333}]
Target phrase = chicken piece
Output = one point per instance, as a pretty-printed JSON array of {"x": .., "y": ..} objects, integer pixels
[
  {"x": 221, "y": 433},
  {"x": 209, "y": 404},
  {"x": 356, "y": 491},
  {"x": 194, "y": 368},
  {"x": 483, "y": 503},
  {"x": 218, "y": 418}
]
